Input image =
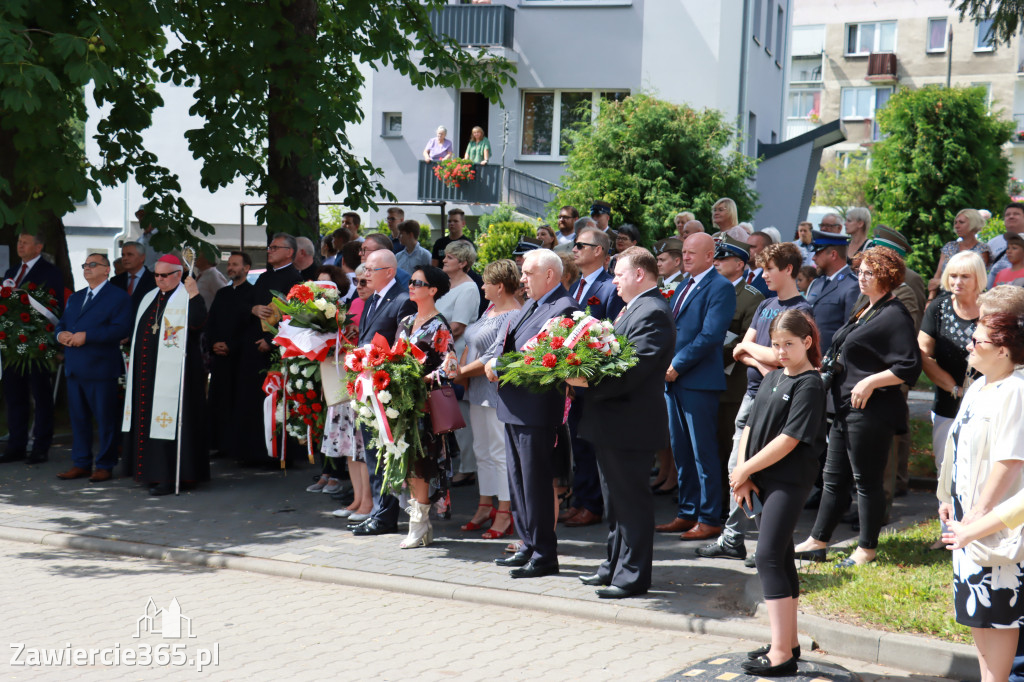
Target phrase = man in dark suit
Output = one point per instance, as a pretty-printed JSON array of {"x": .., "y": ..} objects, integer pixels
[
  {"x": 702, "y": 310},
  {"x": 835, "y": 291},
  {"x": 636, "y": 398},
  {"x": 249, "y": 444},
  {"x": 19, "y": 384},
  {"x": 95, "y": 320},
  {"x": 594, "y": 290},
  {"x": 384, "y": 310},
  {"x": 225, "y": 327},
  {"x": 531, "y": 419},
  {"x": 136, "y": 279}
]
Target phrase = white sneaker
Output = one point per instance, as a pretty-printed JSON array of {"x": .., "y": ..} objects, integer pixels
[{"x": 333, "y": 486}]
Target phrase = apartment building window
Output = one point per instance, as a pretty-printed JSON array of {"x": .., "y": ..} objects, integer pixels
[
  {"x": 937, "y": 35},
  {"x": 757, "y": 21},
  {"x": 804, "y": 104},
  {"x": 988, "y": 92},
  {"x": 861, "y": 103},
  {"x": 805, "y": 69},
  {"x": 547, "y": 114},
  {"x": 863, "y": 39},
  {"x": 984, "y": 39}
]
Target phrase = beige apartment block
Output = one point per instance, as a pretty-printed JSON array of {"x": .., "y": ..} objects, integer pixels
[{"x": 848, "y": 57}]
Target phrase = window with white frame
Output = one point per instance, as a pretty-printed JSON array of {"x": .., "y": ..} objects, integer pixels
[
  {"x": 877, "y": 36},
  {"x": 547, "y": 114},
  {"x": 804, "y": 104},
  {"x": 988, "y": 91},
  {"x": 861, "y": 103},
  {"x": 937, "y": 34},
  {"x": 984, "y": 38}
]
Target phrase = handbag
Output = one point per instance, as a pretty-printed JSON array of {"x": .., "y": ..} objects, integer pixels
[{"x": 445, "y": 415}]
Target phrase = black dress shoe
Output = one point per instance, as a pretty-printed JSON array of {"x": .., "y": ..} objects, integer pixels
[
  {"x": 375, "y": 527},
  {"x": 161, "y": 489},
  {"x": 592, "y": 580},
  {"x": 763, "y": 651},
  {"x": 535, "y": 570},
  {"x": 763, "y": 666},
  {"x": 615, "y": 592},
  {"x": 514, "y": 561},
  {"x": 37, "y": 458},
  {"x": 10, "y": 456}
]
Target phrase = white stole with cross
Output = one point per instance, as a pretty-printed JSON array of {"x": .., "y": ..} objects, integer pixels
[{"x": 170, "y": 361}]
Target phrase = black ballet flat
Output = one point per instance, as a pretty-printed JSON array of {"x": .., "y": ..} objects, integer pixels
[
  {"x": 811, "y": 555},
  {"x": 763, "y": 651},
  {"x": 763, "y": 666}
]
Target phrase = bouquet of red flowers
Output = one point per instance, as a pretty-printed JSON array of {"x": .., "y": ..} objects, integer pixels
[
  {"x": 454, "y": 171},
  {"x": 389, "y": 395},
  {"x": 568, "y": 347},
  {"x": 28, "y": 316}
]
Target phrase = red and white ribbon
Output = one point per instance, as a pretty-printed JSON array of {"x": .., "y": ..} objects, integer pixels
[{"x": 274, "y": 388}]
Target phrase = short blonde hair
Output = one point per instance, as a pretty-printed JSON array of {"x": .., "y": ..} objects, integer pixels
[
  {"x": 463, "y": 252},
  {"x": 974, "y": 219},
  {"x": 1005, "y": 298},
  {"x": 687, "y": 216},
  {"x": 966, "y": 263}
]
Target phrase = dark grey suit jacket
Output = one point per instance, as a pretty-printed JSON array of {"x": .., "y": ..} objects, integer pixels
[
  {"x": 386, "y": 315},
  {"x": 629, "y": 412}
]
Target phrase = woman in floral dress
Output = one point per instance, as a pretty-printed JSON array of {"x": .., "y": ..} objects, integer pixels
[{"x": 430, "y": 473}]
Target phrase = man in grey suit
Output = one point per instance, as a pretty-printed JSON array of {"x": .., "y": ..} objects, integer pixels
[
  {"x": 835, "y": 291},
  {"x": 532, "y": 419},
  {"x": 636, "y": 398}
]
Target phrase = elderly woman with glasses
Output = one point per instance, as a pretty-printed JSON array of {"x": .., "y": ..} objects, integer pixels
[
  {"x": 967, "y": 224},
  {"x": 438, "y": 148},
  {"x": 871, "y": 356}
]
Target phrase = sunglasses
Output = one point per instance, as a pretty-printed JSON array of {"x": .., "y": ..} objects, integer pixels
[
  {"x": 90, "y": 266},
  {"x": 417, "y": 283},
  {"x": 580, "y": 245},
  {"x": 362, "y": 282},
  {"x": 162, "y": 275}
]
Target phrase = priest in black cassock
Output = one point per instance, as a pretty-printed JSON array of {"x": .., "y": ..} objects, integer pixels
[
  {"x": 165, "y": 343},
  {"x": 225, "y": 328},
  {"x": 281, "y": 275}
]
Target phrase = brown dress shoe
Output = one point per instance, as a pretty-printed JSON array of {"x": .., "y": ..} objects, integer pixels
[
  {"x": 701, "y": 531},
  {"x": 73, "y": 473},
  {"x": 101, "y": 475},
  {"x": 567, "y": 514},
  {"x": 676, "y": 526},
  {"x": 585, "y": 517}
]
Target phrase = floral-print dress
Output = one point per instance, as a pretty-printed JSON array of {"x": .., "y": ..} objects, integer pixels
[
  {"x": 989, "y": 425},
  {"x": 435, "y": 339}
]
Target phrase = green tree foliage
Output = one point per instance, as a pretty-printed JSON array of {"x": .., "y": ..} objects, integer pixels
[
  {"x": 840, "y": 187},
  {"x": 1006, "y": 15},
  {"x": 941, "y": 154},
  {"x": 275, "y": 86},
  {"x": 499, "y": 241},
  {"x": 651, "y": 159}
]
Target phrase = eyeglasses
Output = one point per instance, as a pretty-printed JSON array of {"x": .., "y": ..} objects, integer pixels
[
  {"x": 162, "y": 275},
  {"x": 363, "y": 251},
  {"x": 824, "y": 225},
  {"x": 565, "y": 217},
  {"x": 274, "y": 247},
  {"x": 417, "y": 283},
  {"x": 975, "y": 341},
  {"x": 580, "y": 245},
  {"x": 362, "y": 282},
  {"x": 377, "y": 269},
  {"x": 866, "y": 274},
  {"x": 90, "y": 266}
]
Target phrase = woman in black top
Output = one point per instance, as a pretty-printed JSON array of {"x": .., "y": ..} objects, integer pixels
[
  {"x": 785, "y": 432},
  {"x": 877, "y": 351}
]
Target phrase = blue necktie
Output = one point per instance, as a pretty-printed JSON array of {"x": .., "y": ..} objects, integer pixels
[{"x": 88, "y": 300}]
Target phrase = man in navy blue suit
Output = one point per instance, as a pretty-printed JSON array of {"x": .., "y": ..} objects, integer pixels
[
  {"x": 384, "y": 310},
  {"x": 702, "y": 310},
  {"x": 531, "y": 420},
  {"x": 18, "y": 385},
  {"x": 94, "y": 322},
  {"x": 595, "y": 289}
]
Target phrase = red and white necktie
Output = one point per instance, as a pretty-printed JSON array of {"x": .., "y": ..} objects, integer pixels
[{"x": 21, "y": 274}]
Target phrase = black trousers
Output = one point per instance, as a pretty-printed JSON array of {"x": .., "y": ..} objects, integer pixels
[
  {"x": 630, "y": 508},
  {"x": 776, "y": 565},
  {"x": 858, "y": 444},
  {"x": 529, "y": 451}
]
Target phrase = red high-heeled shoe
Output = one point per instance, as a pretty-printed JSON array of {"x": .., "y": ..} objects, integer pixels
[
  {"x": 492, "y": 534},
  {"x": 478, "y": 526}
]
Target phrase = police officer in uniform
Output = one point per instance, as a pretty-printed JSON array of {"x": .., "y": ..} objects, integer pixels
[{"x": 835, "y": 291}]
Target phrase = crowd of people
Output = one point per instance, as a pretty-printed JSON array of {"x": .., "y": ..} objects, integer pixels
[{"x": 772, "y": 376}]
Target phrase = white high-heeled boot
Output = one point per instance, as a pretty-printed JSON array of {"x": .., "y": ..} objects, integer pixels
[{"x": 421, "y": 533}]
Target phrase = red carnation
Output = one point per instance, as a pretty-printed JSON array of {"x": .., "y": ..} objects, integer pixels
[
  {"x": 22, "y": 338},
  {"x": 593, "y": 344},
  {"x": 31, "y": 286},
  {"x": 3, "y": 336},
  {"x": 5, "y": 292},
  {"x": 309, "y": 422},
  {"x": 42, "y": 346},
  {"x": 24, "y": 299},
  {"x": 381, "y": 380},
  {"x": 557, "y": 342},
  {"x": 573, "y": 359},
  {"x": 549, "y": 360},
  {"x": 593, "y": 300},
  {"x": 3, "y": 310},
  {"x": 310, "y": 394},
  {"x": 301, "y": 292},
  {"x": 351, "y": 388},
  {"x": 25, "y": 317},
  {"x": 49, "y": 327},
  {"x": 299, "y": 398},
  {"x": 317, "y": 407},
  {"x": 567, "y": 323},
  {"x": 528, "y": 359},
  {"x": 51, "y": 292},
  {"x": 541, "y": 336}
]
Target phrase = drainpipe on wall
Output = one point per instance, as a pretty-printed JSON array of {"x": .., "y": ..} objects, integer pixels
[{"x": 741, "y": 123}]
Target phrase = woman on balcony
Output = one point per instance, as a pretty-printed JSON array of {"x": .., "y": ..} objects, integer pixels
[
  {"x": 479, "y": 148},
  {"x": 438, "y": 148}
]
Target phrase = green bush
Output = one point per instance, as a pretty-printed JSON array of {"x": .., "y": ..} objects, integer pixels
[
  {"x": 499, "y": 241},
  {"x": 502, "y": 214},
  {"x": 993, "y": 228}
]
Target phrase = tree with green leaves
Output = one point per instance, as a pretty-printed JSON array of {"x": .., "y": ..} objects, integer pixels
[
  {"x": 942, "y": 153},
  {"x": 275, "y": 83},
  {"x": 651, "y": 159},
  {"x": 1006, "y": 16},
  {"x": 841, "y": 186}
]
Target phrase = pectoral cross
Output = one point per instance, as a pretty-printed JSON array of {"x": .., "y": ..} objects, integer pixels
[{"x": 155, "y": 327}]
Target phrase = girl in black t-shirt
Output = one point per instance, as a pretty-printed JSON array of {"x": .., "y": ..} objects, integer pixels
[{"x": 785, "y": 432}]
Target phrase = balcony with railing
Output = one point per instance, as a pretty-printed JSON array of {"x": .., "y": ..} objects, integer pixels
[
  {"x": 882, "y": 68},
  {"x": 485, "y": 188},
  {"x": 1018, "y": 133},
  {"x": 475, "y": 25}
]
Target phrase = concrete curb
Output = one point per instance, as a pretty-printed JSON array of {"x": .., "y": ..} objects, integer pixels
[{"x": 606, "y": 612}]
